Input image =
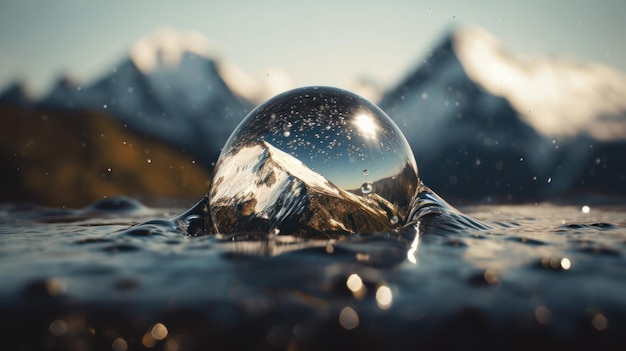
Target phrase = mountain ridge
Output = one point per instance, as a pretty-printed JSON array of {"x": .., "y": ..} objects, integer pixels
[
  {"x": 474, "y": 137},
  {"x": 287, "y": 196},
  {"x": 473, "y": 144}
]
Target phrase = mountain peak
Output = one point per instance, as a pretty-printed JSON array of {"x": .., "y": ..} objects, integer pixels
[
  {"x": 558, "y": 96},
  {"x": 267, "y": 188},
  {"x": 16, "y": 94},
  {"x": 166, "y": 47}
]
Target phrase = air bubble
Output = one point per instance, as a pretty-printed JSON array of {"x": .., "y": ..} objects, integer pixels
[{"x": 294, "y": 157}]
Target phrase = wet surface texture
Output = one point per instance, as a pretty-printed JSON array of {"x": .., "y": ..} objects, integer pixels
[{"x": 540, "y": 276}]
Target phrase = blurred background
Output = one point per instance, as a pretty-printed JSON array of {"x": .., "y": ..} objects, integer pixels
[{"x": 501, "y": 102}]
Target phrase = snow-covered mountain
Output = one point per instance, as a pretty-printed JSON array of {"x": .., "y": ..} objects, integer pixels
[
  {"x": 482, "y": 122},
  {"x": 189, "y": 106},
  {"x": 173, "y": 87},
  {"x": 270, "y": 189},
  {"x": 485, "y": 123},
  {"x": 557, "y": 96},
  {"x": 64, "y": 95}
]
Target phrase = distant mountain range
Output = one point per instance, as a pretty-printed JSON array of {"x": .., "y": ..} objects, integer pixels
[{"x": 483, "y": 123}]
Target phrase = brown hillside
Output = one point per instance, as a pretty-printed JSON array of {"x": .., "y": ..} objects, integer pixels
[{"x": 73, "y": 159}]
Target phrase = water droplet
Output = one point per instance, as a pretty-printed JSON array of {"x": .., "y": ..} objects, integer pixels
[
  {"x": 296, "y": 153},
  {"x": 159, "y": 331},
  {"x": 366, "y": 188},
  {"x": 394, "y": 220},
  {"x": 384, "y": 297},
  {"x": 599, "y": 321},
  {"x": 354, "y": 282},
  {"x": 566, "y": 264},
  {"x": 348, "y": 318},
  {"x": 58, "y": 327},
  {"x": 586, "y": 209},
  {"x": 119, "y": 344}
]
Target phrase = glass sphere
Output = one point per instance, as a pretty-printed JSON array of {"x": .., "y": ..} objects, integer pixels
[{"x": 314, "y": 162}]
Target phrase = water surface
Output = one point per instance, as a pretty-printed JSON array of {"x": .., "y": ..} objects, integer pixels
[{"x": 541, "y": 276}]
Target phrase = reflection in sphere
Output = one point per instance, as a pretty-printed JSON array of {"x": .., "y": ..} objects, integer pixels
[{"x": 309, "y": 153}]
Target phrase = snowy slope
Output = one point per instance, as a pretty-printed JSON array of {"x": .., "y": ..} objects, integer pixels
[
  {"x": 272, "y": 189},
  {"x": 174, "y": 88},
  {"x": 483, "y": 123},
  {"x": 557, "y": 96}
]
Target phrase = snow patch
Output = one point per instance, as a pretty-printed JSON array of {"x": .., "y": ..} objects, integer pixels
[
  {"x": 243, "y": 173},
  {"x": 557, "y": 96},
  {"x": 166, "y": 47}
]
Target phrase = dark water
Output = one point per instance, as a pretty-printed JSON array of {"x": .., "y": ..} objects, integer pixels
[{"x": 544, "y": 276}]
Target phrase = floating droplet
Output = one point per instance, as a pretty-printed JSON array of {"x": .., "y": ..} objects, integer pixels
[
  {"x": 159, "y": 331},
  {"x": 599, "y": 322},
  {"x": 58, "y": 327},
  {"x": 290, "y": 166},
  {"x": 366, "y": 188},
  {"x": 566, "y": 264},
  {"x": 354, "y": 282},
  {"x": 348, "y": 318},
  {"x": 119, "y": 344},
  {"x": 384, "y": 297}
]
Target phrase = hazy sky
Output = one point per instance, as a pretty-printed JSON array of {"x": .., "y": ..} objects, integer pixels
[{"x": 315, "y": 42}]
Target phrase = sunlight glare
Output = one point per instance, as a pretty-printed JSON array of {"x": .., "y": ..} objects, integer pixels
[
  {"x": 366, "y": 125},
  {"x": 410, "y": 255}
]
